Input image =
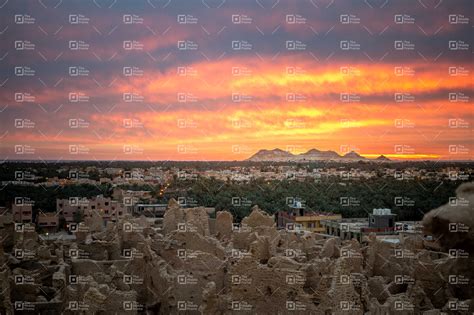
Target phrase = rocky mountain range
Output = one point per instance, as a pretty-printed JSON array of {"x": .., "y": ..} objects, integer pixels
[{"x": 279, "y": 155}]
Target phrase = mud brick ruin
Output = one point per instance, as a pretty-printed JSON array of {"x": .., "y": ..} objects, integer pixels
[{"x": 192, "y": 264}]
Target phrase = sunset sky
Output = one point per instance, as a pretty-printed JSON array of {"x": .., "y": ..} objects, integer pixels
[{"x": 220, "y": 80}]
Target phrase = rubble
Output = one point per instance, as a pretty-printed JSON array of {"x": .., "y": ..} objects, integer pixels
[{"x": 130, "y": 267}]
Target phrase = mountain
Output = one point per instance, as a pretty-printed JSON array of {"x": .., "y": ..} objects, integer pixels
[
  {"x": 271, "y": 155},
  {"x": 315, "y": 154},
  {"x": 279, "y": 155},
  {"x": 353, "y": 156},
  {"x": 382, "y": 158}
]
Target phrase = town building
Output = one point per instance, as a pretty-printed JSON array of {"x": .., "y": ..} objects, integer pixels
[
  {"x": 22, "y": 213},
  {"x": 380, "y": 222},
  {"x": 47, "y": 221},
  {"x": 76, "y": 209},
  {"x": 299, "y": 218}
]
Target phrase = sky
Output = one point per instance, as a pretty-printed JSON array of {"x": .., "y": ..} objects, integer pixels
[{"x": 220, "y": 80}]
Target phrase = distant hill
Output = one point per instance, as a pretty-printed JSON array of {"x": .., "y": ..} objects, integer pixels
[
  {"x": 383, "y": 158},
  {"x": 271, "y": 155},
  {"x": 279, "y": 155}
]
